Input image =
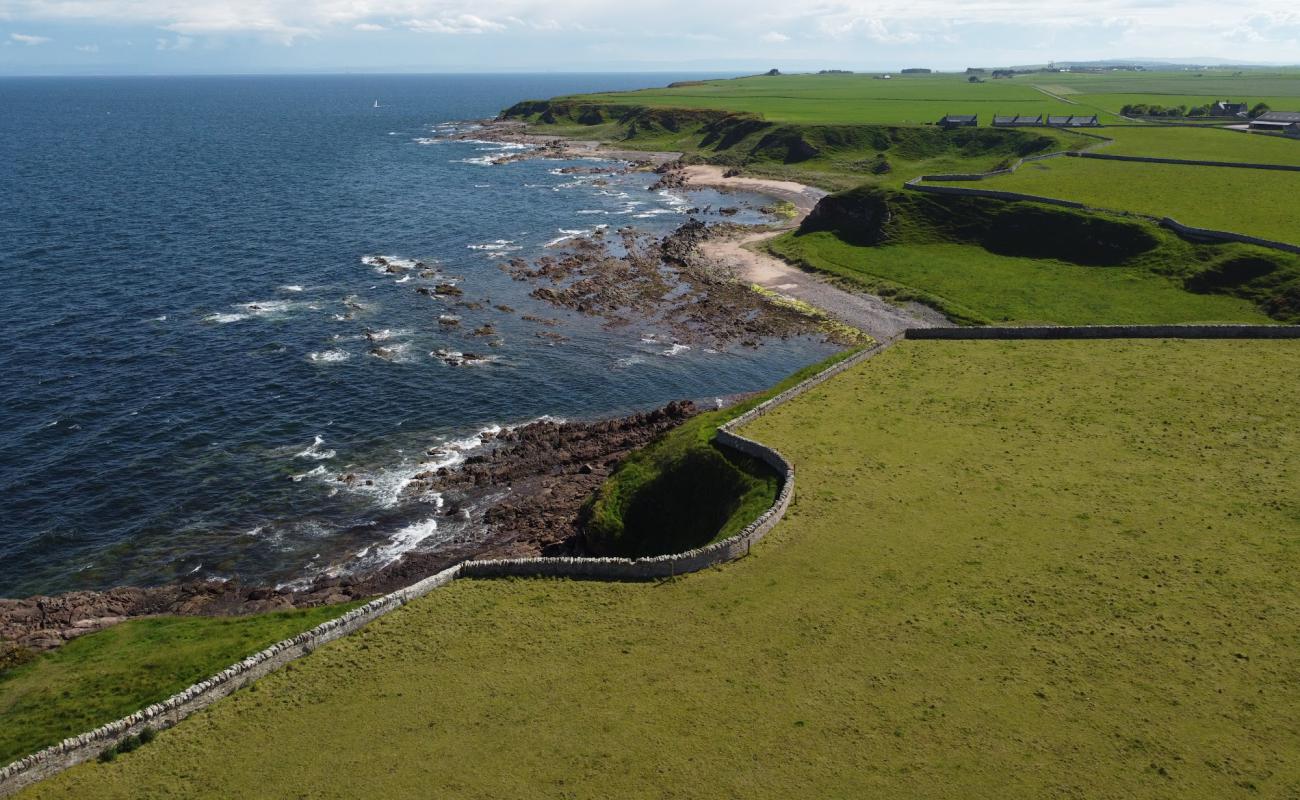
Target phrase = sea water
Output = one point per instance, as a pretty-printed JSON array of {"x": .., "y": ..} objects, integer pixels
[{"x": 200, "y": 338}]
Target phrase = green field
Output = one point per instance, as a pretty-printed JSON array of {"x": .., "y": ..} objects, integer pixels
[
  {"x": 1042, "y": 569},
  {"x": 1245, "y": 201},
  {"x": 105, "y": 676},
  {"x": 842, "y": 99},
  {"x": 1206, "y": 144},
  {"x": 970, "y": 283},
  {"x": 1216, "y": 84}
]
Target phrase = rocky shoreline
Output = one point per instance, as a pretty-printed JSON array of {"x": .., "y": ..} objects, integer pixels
[{"x": 545, "y": 471}]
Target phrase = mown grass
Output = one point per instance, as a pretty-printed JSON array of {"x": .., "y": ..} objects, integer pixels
[
  {"x": 1207, "y": 144},
  {"x": 971, "y": 284},
  {"x": 682, "y": 491},
  {"x": 106, "y": 675},
  {"x": 1222, "y": 198},
  {"x": 1039, "y": 569}
]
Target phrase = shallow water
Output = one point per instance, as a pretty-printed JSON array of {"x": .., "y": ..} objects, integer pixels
[{"x": 189, "y": 280}]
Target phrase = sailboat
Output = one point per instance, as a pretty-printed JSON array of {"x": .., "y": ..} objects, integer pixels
[{"x": 376, "y": 104}]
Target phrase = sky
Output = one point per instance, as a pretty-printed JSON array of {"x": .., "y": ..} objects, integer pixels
[{"x": 282, "y": 36}]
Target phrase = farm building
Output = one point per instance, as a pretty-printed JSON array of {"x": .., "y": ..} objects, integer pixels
[
  {"x": 1275, "y": 121},
  {"x": 1017, "y": 121},
  {"x": 960, "y": 121},
  {"x": 1076, "y": 121},
  {"x": 1225, "y": 108}
]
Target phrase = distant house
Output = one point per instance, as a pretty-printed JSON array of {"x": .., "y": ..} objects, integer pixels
[
  {"x": 1077, "y": 121},
  {"x": 960, "y": 121},
  {"x": 1017, "y": 121},
  {"x": 1277, "y": 121},
  {"x": 1224, "y": 108}
]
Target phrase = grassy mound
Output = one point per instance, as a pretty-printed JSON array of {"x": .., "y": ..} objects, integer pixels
[
  {"x": 1013, "y": 569},
  {"x": 981, "y": 260},
  {"x": 833, "y": 156},
  {"x": 104, "y": 676},
  {"x": 682, "y": 491},
  {"x": 1253, "y": 202}
]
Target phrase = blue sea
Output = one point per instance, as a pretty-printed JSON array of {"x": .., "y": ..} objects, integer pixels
[{"x": 189, "y": 278}]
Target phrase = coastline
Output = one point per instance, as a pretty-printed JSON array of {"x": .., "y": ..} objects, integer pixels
[{"x": 546, "y": 470}]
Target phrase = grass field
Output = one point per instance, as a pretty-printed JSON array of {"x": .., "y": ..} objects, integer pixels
[
  {"x": 840, "y": 99},
  {"x": 971, "y": 283},
  {"x": 1216, "y": 84},
  {"x": 1040, "y": 569},
  {"x": 1208, "y": 144},
  {"x": 104, "y": 676},
  {"x": 1239, "y": 200}
]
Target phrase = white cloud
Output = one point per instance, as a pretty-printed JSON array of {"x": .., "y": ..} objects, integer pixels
[
  {"x": 993, "y": 30},
  {"x": 30, "y": 41},
  {"x": 86, "y": 48},
  {"x": 175, "y": 43},
  {"x": 461, "y": 23}
]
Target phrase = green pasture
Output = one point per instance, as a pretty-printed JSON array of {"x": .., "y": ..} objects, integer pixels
[
  {"x": 1252, "y": 202},
  {"x": 844, "y": 99},
  {"x": 1208, "y": 144},
  {"x": 1214, "y": 84},
  {"x": 107, "y": 675},
  {"x": 1037, "y": 569},
  {"x": 969, "y": 283}
]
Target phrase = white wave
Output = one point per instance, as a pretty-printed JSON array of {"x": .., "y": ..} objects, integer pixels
[
  {"x": 428, "y": 140},
  {"x": 405, "y": 540},
  {"x": 676, "y": 349},
  {"x": 630, "y": 361},
  {"x": 223, "y": 319},
  {"x": 569, "y": 234},
  {"x": 593, "y": 211},
  {"x": 497, "y": 245},
  {"x": 163, "y": 318},
  {"x": 389, "y": 265},
  {"x": 481, "y": 161},
  {"x": 383, "y": 335},
  {"x": 387, "y": 484},
  {"x": 311, "y": 473},
  {"x": 329, "y": 356},
  {"x": 398, "y": 353},
  {"x": 674, "y": 200},
  {"x": 315, "y": 452},
  {"x": 403, "y": 279},
  {"x": 293, "y": 287},
  {"x": 654, "y": 212}
]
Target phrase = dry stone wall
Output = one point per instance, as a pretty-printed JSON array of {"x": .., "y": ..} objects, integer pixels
[
  {"x": 1111, "y": 332},
  {"x": 158, "y": 716}
]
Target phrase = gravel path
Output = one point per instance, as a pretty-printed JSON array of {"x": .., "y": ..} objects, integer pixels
[{"x": 883, "y": 321}]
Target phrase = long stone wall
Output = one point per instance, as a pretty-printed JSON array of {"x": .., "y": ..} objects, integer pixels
[
  {"x": 77, "y": 749},
  {"x": 1189, "y": 162},
  {"x": 1225, "y": 236},
  {"x": 1111, "y": 332}
]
